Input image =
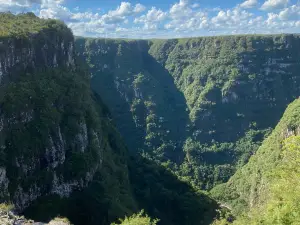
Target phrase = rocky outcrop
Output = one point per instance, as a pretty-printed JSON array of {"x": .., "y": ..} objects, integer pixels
[
  {"x": 10, "y": 218},
  {"x": 35, "y": 52}
]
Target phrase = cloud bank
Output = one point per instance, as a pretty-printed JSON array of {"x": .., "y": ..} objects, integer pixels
[{"x": 183, "y": 18}]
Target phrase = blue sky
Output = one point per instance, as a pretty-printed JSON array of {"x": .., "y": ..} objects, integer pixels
[{"x": 166, "y": 18}]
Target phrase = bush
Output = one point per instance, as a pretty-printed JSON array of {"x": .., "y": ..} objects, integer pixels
[
  {"x": 137, "y": 219},
  {"x": 5, "y": 208}
]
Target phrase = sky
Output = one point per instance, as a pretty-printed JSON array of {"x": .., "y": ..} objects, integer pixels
[{"x": 165, "y": 18}]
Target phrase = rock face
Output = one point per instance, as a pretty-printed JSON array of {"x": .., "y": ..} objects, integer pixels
[
  {"x": 53, "y": 134},
  {"x": 44, "y": 50},
  {"x": 36, "y": 51}
]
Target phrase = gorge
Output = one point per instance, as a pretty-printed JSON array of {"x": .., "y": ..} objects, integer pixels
[{"x": 98, "y": 129}]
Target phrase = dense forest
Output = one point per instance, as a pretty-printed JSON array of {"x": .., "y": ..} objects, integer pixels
[{"x": 147, "y": 132}]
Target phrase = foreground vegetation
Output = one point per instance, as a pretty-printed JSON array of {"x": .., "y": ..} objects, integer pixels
[{"x": 137, "y": 219}]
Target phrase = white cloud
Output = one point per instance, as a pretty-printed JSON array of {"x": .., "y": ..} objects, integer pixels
[
  {"x": 112, "y": 19},
  {"x": 85, "y": 16},
  {"x": 193, "y": 24},
  {"x": 183, "y": 18},
  {"x": 28, "y": 3},
  {"x": 195, "y": 5},
  {"x": 196, "y": 21},
  {"x": 50, "y": 3},
  {"x": 255, "y": 22},
  {"x": 7, "y": 5},
  {"x": 231, "y": 16},
  {"x": 180, "y": 10},
  {"x": 291, "y": 13},
  {"x": 124, "y": 10},
  {"x": 270, "y": 5},
  {"x": 272, "y": 19},
  {"x": 221, "y": 17},
  {"x": 152, "y": 18},
  {"x": 235, "y": 21},
  {"x": 93, "y": 24},
  {"x": 155, "y": 15},
  {"x": 139, "y": 8},
  {"x": 57, "y": 12},
  {"x": 249, "y": 4}
]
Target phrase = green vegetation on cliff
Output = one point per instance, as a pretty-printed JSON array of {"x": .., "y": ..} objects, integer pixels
[
  {"x": 266, "y": 190},
  {"x": 283, "y": 206}
]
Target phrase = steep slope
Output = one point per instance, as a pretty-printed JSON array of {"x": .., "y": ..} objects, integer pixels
[
  {"x": 202, "y": 105},
  {"x": 262, "y": 185},
  {"x": 55, "y": 136}
]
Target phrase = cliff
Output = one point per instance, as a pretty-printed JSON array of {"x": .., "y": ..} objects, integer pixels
[
  {"x": 28, "y": 44},
  {"x": 56, "y": 137}
]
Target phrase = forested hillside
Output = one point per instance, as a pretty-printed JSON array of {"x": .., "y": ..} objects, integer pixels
[
  {"x": 200, "y": 106},
  {"x": 266, "y": 189}
]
